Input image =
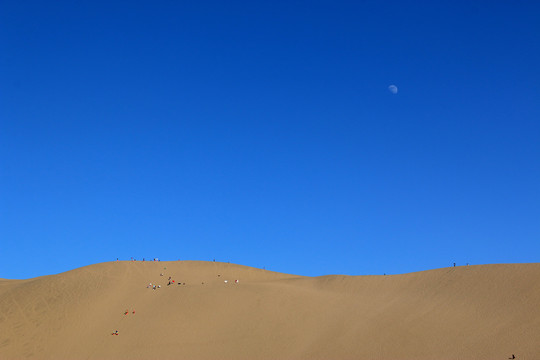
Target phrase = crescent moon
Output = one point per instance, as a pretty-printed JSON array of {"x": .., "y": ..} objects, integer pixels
[{"x": 393, "y": 89}]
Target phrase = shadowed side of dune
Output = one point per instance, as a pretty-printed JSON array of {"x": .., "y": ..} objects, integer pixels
[{"x": 227, "y": 311}]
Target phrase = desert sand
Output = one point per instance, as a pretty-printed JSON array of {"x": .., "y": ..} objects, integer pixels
[{"x": 467, "y": 312}]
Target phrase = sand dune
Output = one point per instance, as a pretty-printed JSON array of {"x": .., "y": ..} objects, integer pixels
[{"x": 472, "y": 312}]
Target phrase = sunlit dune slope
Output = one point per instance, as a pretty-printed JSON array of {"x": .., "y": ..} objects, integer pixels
[{"x": 472, "y": 312}]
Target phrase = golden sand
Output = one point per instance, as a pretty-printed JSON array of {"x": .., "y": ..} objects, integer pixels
[{"x": 469, "y": 312}]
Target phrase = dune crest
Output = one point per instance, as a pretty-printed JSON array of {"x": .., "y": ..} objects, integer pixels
[{"x": 212, "y": 310}]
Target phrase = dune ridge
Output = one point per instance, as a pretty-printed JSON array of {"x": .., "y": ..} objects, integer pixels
[{"x": 468, "y": 312}]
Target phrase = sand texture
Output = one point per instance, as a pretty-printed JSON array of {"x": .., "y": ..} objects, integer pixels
[{"x": 469, "y": 312}]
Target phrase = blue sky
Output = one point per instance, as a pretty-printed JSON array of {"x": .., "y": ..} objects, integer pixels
[{"x": 265, "y": 134}]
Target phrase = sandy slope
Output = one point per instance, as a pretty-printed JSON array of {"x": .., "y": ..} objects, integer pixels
[{"x": 473, "y": 312}]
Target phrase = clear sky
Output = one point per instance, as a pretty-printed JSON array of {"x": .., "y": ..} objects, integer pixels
[{"x": 266, "y": 133}]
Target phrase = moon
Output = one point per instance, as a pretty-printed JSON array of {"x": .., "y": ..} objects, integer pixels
[{"x": 393, "y": 89}]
